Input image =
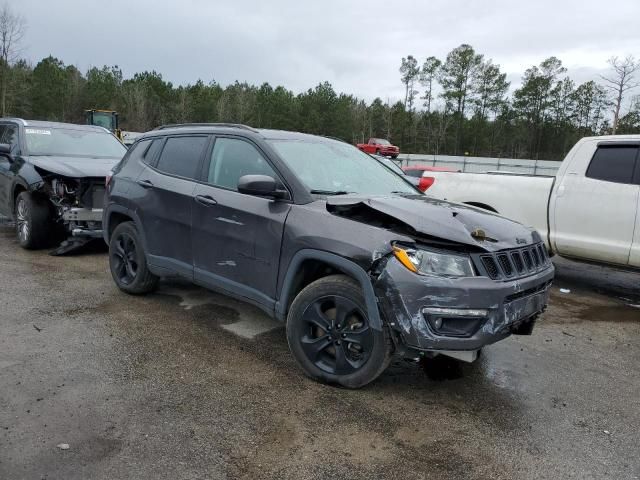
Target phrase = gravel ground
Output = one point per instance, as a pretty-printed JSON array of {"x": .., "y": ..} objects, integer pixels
[{"x": 189, "y": 384}]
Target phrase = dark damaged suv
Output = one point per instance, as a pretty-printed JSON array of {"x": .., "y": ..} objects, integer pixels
[
  {"x": 52, "y": 178},
  {"x": 359, "y": 264}
]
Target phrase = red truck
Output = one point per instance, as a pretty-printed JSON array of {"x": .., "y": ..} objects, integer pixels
[{"x": 379, "y": 146}]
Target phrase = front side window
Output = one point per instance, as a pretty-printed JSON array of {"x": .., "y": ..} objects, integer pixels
[
  {"x": 613, "y": 163},
  {"x": 231, "y": 159},
  {"x": 10, "y": 136},
  {"x": 181, "y": 156},
  {"x": 69, "y": 142},
  {"x": 332, "y": 167}
]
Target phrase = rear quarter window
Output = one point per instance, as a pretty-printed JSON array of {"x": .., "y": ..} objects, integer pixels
[
  {"x": 613, "y": 163},
  {"x": 413, "y": 173},
  {"x": 136, "y": 152}
]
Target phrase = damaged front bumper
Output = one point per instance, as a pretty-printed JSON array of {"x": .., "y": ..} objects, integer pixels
[
  {"x": 83, "y": 226},
  {"x": 458, "y": 316},
  {"x": 83, "y": 222}
]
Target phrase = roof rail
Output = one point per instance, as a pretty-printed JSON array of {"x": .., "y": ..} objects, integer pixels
[{"x": 187, "y": 125}]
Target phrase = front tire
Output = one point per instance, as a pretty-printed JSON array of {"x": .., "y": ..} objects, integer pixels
[
  {"x": 34, "y": 222},
  {"x": 330, "y": 335},
  {"x": 128, "y": 262}
]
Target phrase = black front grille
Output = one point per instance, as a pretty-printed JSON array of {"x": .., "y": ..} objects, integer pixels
[
  {"x": 491, "y": 267},
  {"x": 516, "y": 257},
  {"x": 514, "y": 263},
  {"x": 505, "y": 264}
]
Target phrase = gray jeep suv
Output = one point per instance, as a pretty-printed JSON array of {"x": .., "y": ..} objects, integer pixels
[{"x": 359, "y": 264}]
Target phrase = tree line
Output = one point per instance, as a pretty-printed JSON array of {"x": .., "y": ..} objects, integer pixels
[{"x": 460, "y": 104}]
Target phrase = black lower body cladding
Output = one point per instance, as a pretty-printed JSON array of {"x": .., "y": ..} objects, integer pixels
[{"x": 432, "y": 313}]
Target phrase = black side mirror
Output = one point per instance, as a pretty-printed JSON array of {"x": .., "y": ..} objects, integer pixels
[
  {"x": 5, "y": 151},
  {"x": 261, "y": 185}
]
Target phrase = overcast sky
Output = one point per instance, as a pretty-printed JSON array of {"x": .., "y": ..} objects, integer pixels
[{"x": 355, "y": 45}]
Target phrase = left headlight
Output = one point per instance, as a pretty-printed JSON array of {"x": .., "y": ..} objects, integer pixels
[{"x": 430, "y": 262}]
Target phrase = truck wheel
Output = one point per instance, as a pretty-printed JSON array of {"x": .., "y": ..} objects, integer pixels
[
  {"x": 34, "y": 223},
  {"x": 128, "y": 262},
  {"x": 330, "y": 336}
]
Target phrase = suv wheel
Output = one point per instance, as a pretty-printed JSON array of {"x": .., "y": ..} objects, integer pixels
[
  {"x": 330, "y": 336},
  {"x": 128, "y": 263},
  {"x": 34, "y": 225}
]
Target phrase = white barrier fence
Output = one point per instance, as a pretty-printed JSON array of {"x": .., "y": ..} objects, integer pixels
[{"x": 482, "y": 164}]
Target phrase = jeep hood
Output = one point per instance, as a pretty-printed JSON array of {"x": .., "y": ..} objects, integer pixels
[
  {"x": 75, "y": 167},
  {"x": 438, "y": 219}
]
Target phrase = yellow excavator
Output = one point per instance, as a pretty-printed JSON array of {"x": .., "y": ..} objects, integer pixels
[{"x": 104, "y": 118}]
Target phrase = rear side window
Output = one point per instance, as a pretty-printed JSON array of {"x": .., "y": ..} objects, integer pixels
[
  {"x": 413, "y": 173},
  {"x": 613, "y": 164},
  {"x": 181, "y": 156}
]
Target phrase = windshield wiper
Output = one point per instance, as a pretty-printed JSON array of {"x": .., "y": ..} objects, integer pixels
[{"x": 329, "y": 192}]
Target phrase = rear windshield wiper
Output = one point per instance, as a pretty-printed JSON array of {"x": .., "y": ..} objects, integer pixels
[{"x": 329, "y": 192}]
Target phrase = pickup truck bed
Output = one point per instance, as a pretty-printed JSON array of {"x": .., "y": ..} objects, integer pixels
[{"x": 589, "y": 211}]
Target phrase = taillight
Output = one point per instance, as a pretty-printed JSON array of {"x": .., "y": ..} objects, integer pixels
[{"x": 425, "y": 182}]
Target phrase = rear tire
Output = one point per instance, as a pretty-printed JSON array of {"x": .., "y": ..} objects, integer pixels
[
  {"x": 330, "y": 336},
  {"x": 34, "y": 223},
  {"x": 128, "y": 262}
]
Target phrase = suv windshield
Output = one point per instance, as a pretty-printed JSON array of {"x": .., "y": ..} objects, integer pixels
[
  {"x": 334, "y": 167},
  {"x": 68, "y": 142}
]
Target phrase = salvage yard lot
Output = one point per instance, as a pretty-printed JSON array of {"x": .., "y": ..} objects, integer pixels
[{"x": 189, "y": 384}]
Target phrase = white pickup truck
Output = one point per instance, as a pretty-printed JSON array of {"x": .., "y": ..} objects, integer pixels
[{"x": 589, "y": 211}]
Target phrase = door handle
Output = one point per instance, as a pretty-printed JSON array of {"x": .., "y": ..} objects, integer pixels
[
  {"x": 145, "y": 183},
  {"x": 206, "y": 200}
]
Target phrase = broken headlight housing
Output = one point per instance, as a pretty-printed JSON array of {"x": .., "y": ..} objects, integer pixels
[{"x": 434, "y": 262}]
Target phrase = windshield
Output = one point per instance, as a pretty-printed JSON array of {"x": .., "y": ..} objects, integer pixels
[
  {"x": 381, "y": 141},
  {"x": 334, "y": 167},
  {"x": 68, "y": 142},
  {"x": 103, "y": 120}
]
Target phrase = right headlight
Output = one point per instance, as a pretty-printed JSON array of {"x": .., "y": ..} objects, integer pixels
[{"x": 431, "y": 262}]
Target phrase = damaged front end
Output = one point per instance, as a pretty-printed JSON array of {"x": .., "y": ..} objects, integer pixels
[
  {"x": 77, "y": 206},
  {"x": 466, "y": 280},
  {"x": 457, "y": 316}
]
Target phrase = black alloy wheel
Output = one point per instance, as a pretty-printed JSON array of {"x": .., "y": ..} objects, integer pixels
[
  {"x": 331, "y": 336},
  {"x": 337, "y": 338},
  {"x": 124, "y": 258},
  {"x": 127, "y": 261}
]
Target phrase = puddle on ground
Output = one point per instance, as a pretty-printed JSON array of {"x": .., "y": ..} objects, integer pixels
[{"x": 251, "y": 321}]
